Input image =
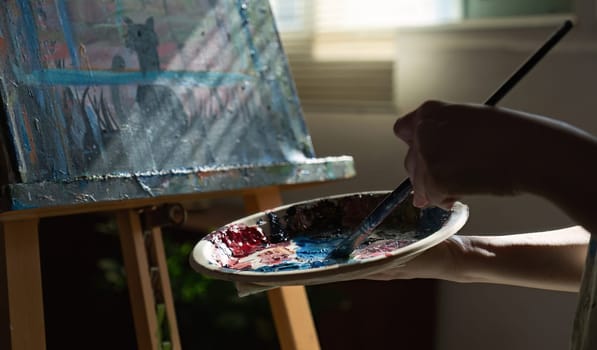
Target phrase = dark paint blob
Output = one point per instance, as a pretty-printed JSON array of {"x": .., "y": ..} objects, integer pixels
[{"x": 278, "y": 233}]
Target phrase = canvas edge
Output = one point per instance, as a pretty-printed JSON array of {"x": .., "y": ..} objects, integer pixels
[{"x": 93, "y": 190}]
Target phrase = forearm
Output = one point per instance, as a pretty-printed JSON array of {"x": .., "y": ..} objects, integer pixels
[
  {"x": 548, "y": 260},
  {"x": 561, "y": 166}
]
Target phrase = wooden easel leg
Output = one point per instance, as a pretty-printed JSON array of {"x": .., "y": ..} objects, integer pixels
[
  {"x": 138, "y": 279},
  {"x": 292, "y": 315},
  {"x": 166, "y": 299},
  {"x": 290, "y": 306},
  {"x": 138, "y": 253},
  {"x": 21, "y": 299}
]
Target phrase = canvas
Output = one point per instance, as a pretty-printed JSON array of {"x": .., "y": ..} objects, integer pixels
[{"x": 147, "y": 97}]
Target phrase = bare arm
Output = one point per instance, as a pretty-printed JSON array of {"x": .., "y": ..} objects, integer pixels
[
  {"x": 460, "y": 149},
  {"x": 457, "y": 149},
  {"x": 551, "y": 260}
]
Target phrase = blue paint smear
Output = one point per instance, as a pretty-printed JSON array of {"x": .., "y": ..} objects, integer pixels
[
  {"x": 18, "y": 205},
  {"x": 313, "y": 253},
  {"x": 30, "y": 33},
  {"x": 32, "y": 42},
  {"x": 277, "y": 97},
  {"x": 117, "y": 16},
  {"x": 86, "y": 78},
  {"x": 68, "y": 32},
  {"x": 242, "y": 10}
]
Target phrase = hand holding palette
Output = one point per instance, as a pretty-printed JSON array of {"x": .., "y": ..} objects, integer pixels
[{"x": 290, "y": 245}]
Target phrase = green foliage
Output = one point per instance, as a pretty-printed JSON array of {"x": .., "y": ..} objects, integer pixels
[
  {"x": 210, "y": 315},
  {"x": 113, "y": 274},
  {"x": 189, "y": 286},
  {"x": 209, "y": 312}
]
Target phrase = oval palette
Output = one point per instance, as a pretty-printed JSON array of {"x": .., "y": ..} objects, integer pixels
[{"x": 289, "y": 245}]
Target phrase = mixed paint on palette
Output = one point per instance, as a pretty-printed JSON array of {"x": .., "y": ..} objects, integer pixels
[
  {"x": 302, "y": 236},
  {"x": 127, "y": 86}
]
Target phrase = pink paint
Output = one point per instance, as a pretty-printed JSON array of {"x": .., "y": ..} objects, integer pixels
[
  {"x": 381, "y": 248},
  {"x": 239, "y": 265},
  {"x": 272, "y": 255},
  {"x": 278, "y": 254}
]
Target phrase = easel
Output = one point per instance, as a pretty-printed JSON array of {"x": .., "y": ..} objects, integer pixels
[
  {"x": 33, "y": 190},
  {"x": 21, "y": 311}
]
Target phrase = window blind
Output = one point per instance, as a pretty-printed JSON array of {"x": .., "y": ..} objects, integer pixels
[{"x": 341, "y": 52}]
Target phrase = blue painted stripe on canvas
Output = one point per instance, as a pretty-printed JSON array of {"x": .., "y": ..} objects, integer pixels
[
  {"x": 18, "y": 205},
  {"x": 68, "y": 32},
  {"x": 86, "y": 78},
  {"x": 119, "y": 9},
  {"x": 242, "y": 10},
  {"x": 234, "y": 24},
  {"x": 32, "y": 42},
  {"x": 30, "y": 33},
  {"x": 278, "y": 98}
]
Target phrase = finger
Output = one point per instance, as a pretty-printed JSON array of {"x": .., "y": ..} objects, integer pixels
[
  {"x": 436, "y": 194},
  {"x": 404, "y": 127},
  {"x": 420, "y": 198},
  {"x": 439, "y": 198},
  {"x": 447, "y": 203},
  {"x": 410, "y": 162}
]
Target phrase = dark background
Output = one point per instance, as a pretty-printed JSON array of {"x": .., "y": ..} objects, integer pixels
[{"x": 87, "y": 303}]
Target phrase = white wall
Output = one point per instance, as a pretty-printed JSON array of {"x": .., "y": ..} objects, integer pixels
[{"x": 467, "y": 65}]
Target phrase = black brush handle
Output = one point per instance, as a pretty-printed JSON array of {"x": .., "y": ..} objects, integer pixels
[
  {"x": 529, "y": 64},
  {"x": 396, "y": 197}
]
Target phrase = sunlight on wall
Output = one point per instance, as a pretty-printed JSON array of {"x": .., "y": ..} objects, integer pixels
[
  {"x": 342, "y": 15},
  {"x": 335, "y": 28},
  {"x": 333, "y": 15}
]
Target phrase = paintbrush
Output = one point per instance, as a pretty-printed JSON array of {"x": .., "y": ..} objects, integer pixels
[{"x": 396, "y": 197}]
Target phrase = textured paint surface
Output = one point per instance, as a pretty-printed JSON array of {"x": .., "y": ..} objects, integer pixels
[
  {"x": 137, "y": 94},
  {"x": 94, "y": 88},
  {"x": 122, "y": 186},
  {"x": 314, "y": 230},
  {"x": 308, "y": 252}
]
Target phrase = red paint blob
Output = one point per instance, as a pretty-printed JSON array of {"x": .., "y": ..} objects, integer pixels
[{"x": 242, "y": 240}]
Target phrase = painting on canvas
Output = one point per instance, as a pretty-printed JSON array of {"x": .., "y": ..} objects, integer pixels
[{"x": 91, "y": 88}]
